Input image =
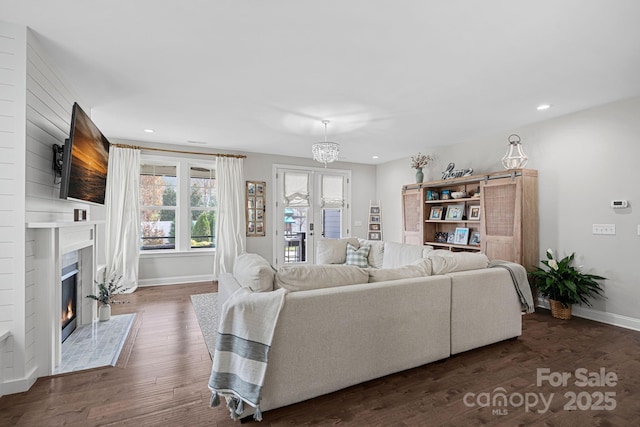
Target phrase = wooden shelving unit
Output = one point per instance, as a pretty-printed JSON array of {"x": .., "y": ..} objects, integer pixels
[{"x": 502, "y": 213}]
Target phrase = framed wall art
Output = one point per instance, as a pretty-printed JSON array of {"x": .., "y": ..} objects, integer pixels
[{"x": 255, "y": 208}]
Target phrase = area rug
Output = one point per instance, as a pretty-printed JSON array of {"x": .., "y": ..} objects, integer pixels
[
  {"x": 95, "y": 345},
  {"x": 206, "y": 308}
]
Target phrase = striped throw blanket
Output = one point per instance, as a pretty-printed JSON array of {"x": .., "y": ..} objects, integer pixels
[
  {"x": 520, "y": 281},
  {"x": 247, "y": 324}
]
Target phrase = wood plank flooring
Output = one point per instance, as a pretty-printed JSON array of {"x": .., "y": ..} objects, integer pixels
[{"x": 163, "y": 382}]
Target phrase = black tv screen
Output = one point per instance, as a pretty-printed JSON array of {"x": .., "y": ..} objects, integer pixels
[{"x": 85, "y": 160}]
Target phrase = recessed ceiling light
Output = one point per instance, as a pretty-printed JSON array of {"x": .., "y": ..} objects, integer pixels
[
  {"x": 543, "y": 107},
  {"x": 375, "y": 157},
  {"x": 149, "y": 130}
]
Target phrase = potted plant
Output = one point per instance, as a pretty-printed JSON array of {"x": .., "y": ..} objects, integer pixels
[
  {"x": 565, "y": 285},
  {"x": 106, "y": 292},
  {"x": 418, "y": 162}
]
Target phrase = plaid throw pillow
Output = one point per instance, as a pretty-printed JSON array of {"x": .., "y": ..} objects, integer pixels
[{"x": 358, "y": 257}]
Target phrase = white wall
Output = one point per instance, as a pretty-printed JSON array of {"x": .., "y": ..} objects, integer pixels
[
  {"x": 584, "y": 160},
  {"x": 39, "y": 117},
  {"x": 12, "y": 190}
]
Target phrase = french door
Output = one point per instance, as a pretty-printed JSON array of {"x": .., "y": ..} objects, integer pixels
[{"x": 310, "y": 203}]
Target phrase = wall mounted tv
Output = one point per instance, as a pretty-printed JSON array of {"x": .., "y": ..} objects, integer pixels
[{"x": 85, "y": 160}]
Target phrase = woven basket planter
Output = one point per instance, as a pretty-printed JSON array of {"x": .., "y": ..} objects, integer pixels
[{"x": 559, "y": 311}]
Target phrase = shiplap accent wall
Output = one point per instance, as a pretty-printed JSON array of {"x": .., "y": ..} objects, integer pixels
[
  {"x": 30, "y": 124},
  {"x": 12, "y": 200}
]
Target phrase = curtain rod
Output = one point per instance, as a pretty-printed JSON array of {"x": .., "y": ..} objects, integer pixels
[{"x": 166, "y": 150}]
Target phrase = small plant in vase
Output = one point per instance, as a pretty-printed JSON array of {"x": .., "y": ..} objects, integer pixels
[
  {"x": 565, "y": 285},
  {"x": 106, "y": 293},
  {"x": 418, "y": 162}
]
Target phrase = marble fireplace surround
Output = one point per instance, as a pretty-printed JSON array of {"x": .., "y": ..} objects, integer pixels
[{"x": 52, "y": 240}]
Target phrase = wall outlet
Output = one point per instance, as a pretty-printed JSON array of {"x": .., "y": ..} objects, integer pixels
[{"x": 604, "y": 229}]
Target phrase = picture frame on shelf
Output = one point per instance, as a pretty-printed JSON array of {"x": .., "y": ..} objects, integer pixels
[
  {"x": 374, "y": 218},
  {"x": 374, "y": 227},
  {"x": 455, "y": 212},
  {"x": 474, "y": 213},
  {"x": 450, "y": 238},
  {"x": 436, "y": 213},
  {"x": 441, "y": 237},
  {"x": 461, "y": 236},
  {"x": 374, "y": 210},
  {"x": 374, "y": 235},
  {"x": 475, "y": 239}
]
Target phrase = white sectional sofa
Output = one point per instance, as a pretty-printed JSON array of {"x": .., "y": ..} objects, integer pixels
[{"x": 330, "y": 337}]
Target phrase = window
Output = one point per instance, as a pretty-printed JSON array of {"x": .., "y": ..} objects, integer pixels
[
  {"x": 158, "y": 203},
  {"x": 202, "y": 206}
]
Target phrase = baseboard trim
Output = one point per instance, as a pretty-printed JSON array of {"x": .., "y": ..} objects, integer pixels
[
  {"x": 599, "y": 316},
  {"x": 175, "y": 280},
  {"x": 21, "y": 384}
]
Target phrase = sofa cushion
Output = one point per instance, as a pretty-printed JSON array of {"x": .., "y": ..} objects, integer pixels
[
  {"x": 443, "y": 261},
  {"x": 253, "y": 271},
  {"x": 419, "y": 268},
  {"x": 358, "y": 256},
  {"x": 399, "y": 254},
  {"x": 305, "y": 277},
  {"x": 376, "y": 252},
  {"x": 333, "y": 251}
]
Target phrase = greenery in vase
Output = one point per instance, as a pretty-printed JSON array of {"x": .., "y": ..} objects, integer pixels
[
  {"x": 565, "y": 283},
  {"x": 107, "y": 290},
  {"x": 420, "y": 160}
]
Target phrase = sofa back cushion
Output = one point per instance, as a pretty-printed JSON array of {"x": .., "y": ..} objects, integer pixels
[
  {"x": 376, "y": 252},
  {"x": 419, "y": 268},
  {"x": 253, "y": 271},
  {"x": 400, "y": 254},
  {"x": 306, "y": 277},
  {"x": 333, "y": 251},
  {"x": 443, "y": 261}
]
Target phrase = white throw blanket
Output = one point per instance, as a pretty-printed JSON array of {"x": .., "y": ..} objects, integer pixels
[
  {"x": 247, "y": 324},
  {"x": 520, "y": 281}
]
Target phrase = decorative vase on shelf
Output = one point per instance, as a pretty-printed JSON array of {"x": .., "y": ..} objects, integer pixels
[
  {"x": 104, "y": 312},
  {"x": 419, "y": 175}
]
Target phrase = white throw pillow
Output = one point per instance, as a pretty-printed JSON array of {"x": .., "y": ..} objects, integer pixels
[
  {"x": 419, "y": 268},
  {"x": 254, "y": 272},
  {"x": 443, "y": 261},
  {"x": 333, "y": 251},
  {"x": 400, "y": 254},
  {"x": 357, "y": 256},
  {"x": 305, "y": 277},
  {"x": 376, "y": 253}
]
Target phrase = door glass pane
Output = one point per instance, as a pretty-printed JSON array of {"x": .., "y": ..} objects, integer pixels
[
  {"x": 332, "y": 223},
  {"x": 295, "y": 233}
]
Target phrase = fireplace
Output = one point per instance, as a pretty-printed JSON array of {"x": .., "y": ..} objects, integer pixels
[{"x": 69, "y": 312}]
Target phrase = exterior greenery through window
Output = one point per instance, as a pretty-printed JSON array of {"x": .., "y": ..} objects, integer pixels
[
  {"x": 178, "y": 205},
  {"x": 203, "y": 204},
  {"x": 158, "y": 203}
]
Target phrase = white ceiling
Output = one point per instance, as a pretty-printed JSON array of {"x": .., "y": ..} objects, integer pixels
[{"x": 394, "y": 77}]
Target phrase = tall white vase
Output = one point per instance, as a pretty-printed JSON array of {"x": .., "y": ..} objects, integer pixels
[{"x": 104, "y": 312}]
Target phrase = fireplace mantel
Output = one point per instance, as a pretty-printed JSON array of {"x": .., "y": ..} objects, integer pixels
[{"x": 51, "y": 241}]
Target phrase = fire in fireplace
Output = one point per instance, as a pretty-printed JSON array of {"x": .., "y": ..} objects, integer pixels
[{"x": 69, "y": 300}]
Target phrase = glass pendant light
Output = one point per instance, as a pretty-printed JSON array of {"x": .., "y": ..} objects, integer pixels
[{"x": 325, "y": 152}]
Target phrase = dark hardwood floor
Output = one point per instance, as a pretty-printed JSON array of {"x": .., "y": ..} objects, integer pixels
[{"x": 163, "y": 381}]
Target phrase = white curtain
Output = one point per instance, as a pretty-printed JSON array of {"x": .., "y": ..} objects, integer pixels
[
  {"x": 230, "y": 223},
  {"x": 123, "y": 216}
]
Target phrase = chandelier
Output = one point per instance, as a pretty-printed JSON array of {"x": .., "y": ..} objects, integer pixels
[{"x": 325, "y": 152}]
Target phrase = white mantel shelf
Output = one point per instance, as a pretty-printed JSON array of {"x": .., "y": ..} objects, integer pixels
[{"x": 62, "y": 224}]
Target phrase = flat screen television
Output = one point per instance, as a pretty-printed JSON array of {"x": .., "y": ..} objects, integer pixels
[{"x": 85, "y": 160}]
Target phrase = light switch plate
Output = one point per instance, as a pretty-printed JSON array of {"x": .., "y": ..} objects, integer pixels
[{"x": 604, "y": 229}]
